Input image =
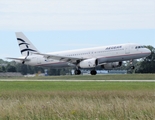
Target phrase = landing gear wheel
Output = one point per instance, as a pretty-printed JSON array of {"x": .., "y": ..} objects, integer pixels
[
  {"x": 132, "y": 67},
  {"x": 93, "y": 72},
  {"x": 77, "y": 72}
]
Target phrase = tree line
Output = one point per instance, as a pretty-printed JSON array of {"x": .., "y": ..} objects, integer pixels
[
  {"x": 143, "y": 65},
  {"x": 26, "y": 69}
]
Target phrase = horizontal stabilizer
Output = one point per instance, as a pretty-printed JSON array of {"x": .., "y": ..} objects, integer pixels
[{"x": 21, "y": 59}]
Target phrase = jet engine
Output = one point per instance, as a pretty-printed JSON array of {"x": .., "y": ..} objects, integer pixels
[
  {"x": 89, "y": 63},
  {"x": 111, "y": 65}
]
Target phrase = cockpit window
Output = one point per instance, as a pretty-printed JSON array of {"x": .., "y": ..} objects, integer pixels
[{"x": 138, "y": 47}]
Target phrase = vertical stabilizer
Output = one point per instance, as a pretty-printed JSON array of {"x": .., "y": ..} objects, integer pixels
[{"x": 26, "y": 47}]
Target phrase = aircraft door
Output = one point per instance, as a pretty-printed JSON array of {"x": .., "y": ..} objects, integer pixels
[
  {"x": 127, "y": 50},
  {"x": 38, "y": 61}
]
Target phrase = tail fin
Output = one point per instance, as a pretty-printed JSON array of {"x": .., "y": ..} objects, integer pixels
[{"x": 26, "y": 47}]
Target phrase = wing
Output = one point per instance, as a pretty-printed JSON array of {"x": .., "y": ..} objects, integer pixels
[{"x": 61, "y": 58}]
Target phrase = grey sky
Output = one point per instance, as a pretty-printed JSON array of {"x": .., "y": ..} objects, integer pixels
[
  {"x": 36, "y": 15},
  {"x": 55, "y": 25}
]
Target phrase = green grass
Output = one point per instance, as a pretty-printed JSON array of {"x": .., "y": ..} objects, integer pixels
[
  {"x": 44, "y": 100},
  {"x": 74, "y": 86},
  {"x": 96, "y": 77}
]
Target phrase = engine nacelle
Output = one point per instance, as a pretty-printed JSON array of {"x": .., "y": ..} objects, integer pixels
[
  {"x": 89, "y": 63},
  {"x": 111, "y": 65}
]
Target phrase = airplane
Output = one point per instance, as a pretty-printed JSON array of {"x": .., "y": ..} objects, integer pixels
[{"x": 104, "y": 57}]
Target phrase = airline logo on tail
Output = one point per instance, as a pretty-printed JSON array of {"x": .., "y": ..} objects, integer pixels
[{"x": 26, "y": 49}]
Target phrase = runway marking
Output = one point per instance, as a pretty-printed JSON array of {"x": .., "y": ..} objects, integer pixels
[{"x": 5, "y": 80}]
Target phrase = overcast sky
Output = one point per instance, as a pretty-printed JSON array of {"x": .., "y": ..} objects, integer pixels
[{"x": 55, "y": 25}]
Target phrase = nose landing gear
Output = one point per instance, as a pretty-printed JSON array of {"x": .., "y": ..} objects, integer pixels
[{"x": 132, "y": 66}]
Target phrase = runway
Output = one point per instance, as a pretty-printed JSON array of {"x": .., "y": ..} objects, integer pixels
[{"x": 5, "y": 80}]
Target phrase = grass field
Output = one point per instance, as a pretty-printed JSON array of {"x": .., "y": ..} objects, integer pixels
[
  {"x": 75, "y": 86},
  {"x": 92, "y": 77},
  {"x": 31, "y": 100},
  {"x": 77, "y": 100}
]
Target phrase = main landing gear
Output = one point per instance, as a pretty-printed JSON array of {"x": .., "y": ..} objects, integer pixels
[
  {"x": 93, "y": 72},
  {"x": 131, "y": 65},
  {"x": 78, "y": 72}
]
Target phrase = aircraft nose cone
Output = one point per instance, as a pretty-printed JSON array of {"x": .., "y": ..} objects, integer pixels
[{"x": 148, "y": 51}]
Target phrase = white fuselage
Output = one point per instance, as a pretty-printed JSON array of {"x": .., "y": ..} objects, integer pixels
[{"x": 105, "y": 54}]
